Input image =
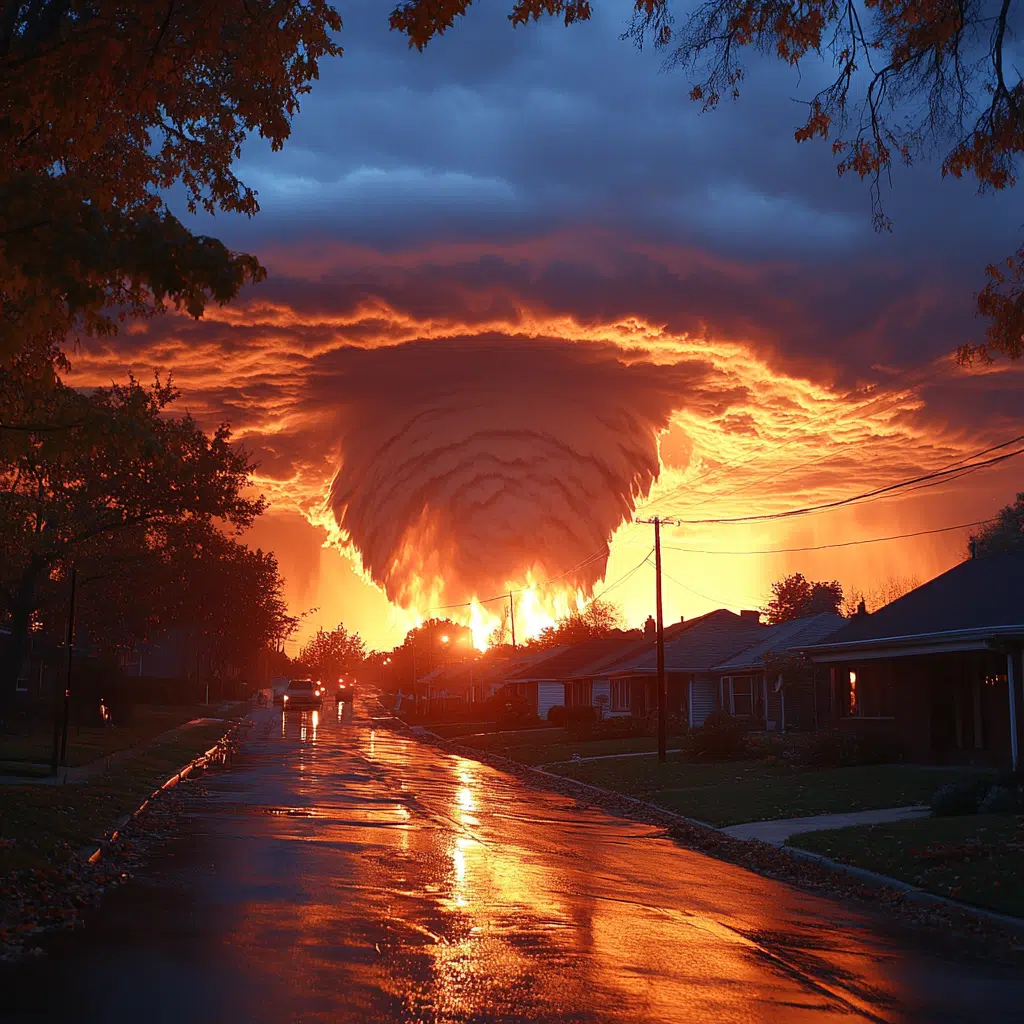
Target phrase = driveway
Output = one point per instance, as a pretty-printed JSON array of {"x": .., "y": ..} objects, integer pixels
[{"x": 341, "y": 872}]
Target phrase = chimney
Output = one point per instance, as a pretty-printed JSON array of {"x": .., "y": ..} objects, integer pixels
[
  {"x": 974, "y": 548},
  {"x": 862, "y": 610},
  {"x": 750, "y": 615},
  {"x": 650, "y": 628},
  {"x": 682, "y": 618}
]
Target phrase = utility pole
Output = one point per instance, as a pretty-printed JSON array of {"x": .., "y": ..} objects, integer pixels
[
  {"x": 512, "y": 616},
  {"x": 656, "y": 521},
  {"x": 70, "y": 643}
]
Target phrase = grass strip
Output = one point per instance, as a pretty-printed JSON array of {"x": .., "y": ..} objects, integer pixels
[{"x": 976, "y": 858}]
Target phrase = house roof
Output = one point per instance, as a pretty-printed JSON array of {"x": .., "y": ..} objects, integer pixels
[
  {"x": 784, "y": 637},
  {"x": 577, "y": 659},
  {"x": 978, "y": 595},
  {"x": 697, "y": 645}
]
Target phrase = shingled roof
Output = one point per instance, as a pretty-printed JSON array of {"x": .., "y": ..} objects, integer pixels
[
  {"x": 578, "y": 659},
  {"x": 697, "y": 645},
  {"x": 784, "y": 637},
  {"x": 979, "y": 595}
]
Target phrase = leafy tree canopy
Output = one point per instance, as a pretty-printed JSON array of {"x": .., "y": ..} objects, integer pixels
[
  {"x": 329, "y": 655},
  {"x": 1005, "y": 534},
  {"x": 116, "y": 474},
  {"x": 794, "y": 597},
  {"x": 103, "y": 108},
  {"x": 910, "y": 77},
  {"x": 599, "y": 619}
]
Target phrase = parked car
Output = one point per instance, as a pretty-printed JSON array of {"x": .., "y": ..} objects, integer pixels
[
  {"x": 303, "y": 693},
  {"x": 346, "y": 690}
]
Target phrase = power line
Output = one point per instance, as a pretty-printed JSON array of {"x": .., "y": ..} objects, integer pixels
[
  {"x": 840, "y": 544},
  {"x": 721, "y": 602},
  {"x": 885, "y": 401},
  {"x": 925, "y": 480}
]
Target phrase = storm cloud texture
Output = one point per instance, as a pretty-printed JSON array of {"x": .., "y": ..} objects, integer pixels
[{"x": 508, "y": 272}]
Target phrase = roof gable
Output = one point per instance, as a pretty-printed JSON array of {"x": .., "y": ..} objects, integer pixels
[{"x": 980, "y": 593}]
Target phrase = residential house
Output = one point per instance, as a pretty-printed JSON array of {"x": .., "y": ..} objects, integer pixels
[
  {"x": 745, "y": 691},
  {"x": 572, "y": 675},
  {"x": 937, "y": 672},
  {"x": 693, "y": 649}
]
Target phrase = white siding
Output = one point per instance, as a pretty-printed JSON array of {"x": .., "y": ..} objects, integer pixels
[
  {"x": 548, "y": 695},
  {"x": 705, "y": 699}
]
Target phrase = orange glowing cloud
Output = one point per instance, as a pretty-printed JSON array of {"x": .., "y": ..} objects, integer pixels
[{"x": 458, "y": 425}]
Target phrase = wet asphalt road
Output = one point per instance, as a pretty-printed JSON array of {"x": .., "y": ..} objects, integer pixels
[{"x": 343, "y": 873}]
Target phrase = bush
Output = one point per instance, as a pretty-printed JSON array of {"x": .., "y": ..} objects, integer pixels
[
  {"x": 1000, "y": 800},
  {"x": 720, "y": 738},
  {"x": 581, "y": 721},
  {"x": 556, "y": 715},
  {"x": 959, "y": 798},
  {"x": 620, "y": 727},
  {"x": 831, "y": 749}
]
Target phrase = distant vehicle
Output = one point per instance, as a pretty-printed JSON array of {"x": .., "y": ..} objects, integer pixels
[
  {"x": 302, "y": 693},
  {"x": 346, "y": 689}
]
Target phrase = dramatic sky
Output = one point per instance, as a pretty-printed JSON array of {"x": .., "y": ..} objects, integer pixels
[{"x": 519, "y": 284}]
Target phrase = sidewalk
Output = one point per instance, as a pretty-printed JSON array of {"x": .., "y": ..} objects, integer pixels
[
  {"x": 609, "y": 757},
  {"x": 101, "y": 764},
  {"x": 777, "y": 832}
]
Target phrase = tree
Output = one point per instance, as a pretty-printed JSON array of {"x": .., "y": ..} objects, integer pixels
[
  {"x": 599, "y": 619},
  {"x": 909, "y": 77},
  {"x": 329, "y": 655},
  {"x": 794, "y": 597},
  {"x": 119, "y": 471},
  {"x": 889, "y": 590},
  {"x": 1005, "y": 534},
  {"x": 103, "y": 107}
]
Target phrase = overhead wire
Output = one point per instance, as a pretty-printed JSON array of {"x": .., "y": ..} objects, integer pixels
[
  {"x": 914, "y": 483},
  {"x": 838, "y": 544}
]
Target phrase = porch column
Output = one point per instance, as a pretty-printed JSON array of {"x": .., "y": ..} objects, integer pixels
[
  {"x": 1011, "y": 685},
  {"x": 764, "y": 690},
  {"x": 689, "y": 703}
]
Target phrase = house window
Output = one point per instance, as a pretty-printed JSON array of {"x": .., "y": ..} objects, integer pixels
[
  {"x": 620, "y": 695},
  {"x": 742, "y": 696},
  {"x": 867, "y": 692}
]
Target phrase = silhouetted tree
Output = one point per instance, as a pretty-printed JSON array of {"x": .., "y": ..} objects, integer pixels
[
  {"x": 103, "y": 489},
  {"x": 103, "y": 107},
  {"x": 329, "y": 655},
  {"x": 794, "y": 596},
  {"x": 1005, "y": 534},
  {"x": 598, "y": 619}
]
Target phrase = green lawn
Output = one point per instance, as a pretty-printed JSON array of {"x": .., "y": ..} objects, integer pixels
[
  {"x": 554, "y": 746},
  {"x": 85, "y": 744},
  {"x": 738, "y": 791},
  {"x": 42, "y": 825},
  {"x": 978, "y": 858}
]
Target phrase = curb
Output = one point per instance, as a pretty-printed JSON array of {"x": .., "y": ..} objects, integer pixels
[
  {"x": 183, "y": 773},
  {"x": 911, "y": 893}
]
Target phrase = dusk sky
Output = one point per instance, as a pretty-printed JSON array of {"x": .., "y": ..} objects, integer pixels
[{"x": 502, "y": 268}]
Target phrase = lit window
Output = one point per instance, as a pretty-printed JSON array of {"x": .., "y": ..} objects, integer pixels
[{"x": 853, "y": 693}]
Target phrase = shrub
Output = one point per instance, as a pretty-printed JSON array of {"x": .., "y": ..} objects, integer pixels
[
  {"x": 720, "y": 738},
  {"x": 556, "y": 715},
  {"x": 1000, "y": 800},
  {"x": 957, "y": 798},
  {"x": 580, "y": 721},
  {"x": 620, "y": 726}
]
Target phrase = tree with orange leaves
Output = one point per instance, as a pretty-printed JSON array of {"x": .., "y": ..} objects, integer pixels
[
  {"x": 910, "y": 75},
  {"x": 104, "y": 106}
]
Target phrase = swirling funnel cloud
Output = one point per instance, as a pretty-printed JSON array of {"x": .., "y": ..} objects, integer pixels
[{"x": 472, "y": 464}]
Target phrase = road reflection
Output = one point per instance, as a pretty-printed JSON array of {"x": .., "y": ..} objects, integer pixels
[{"x": 342, "y": 873}]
